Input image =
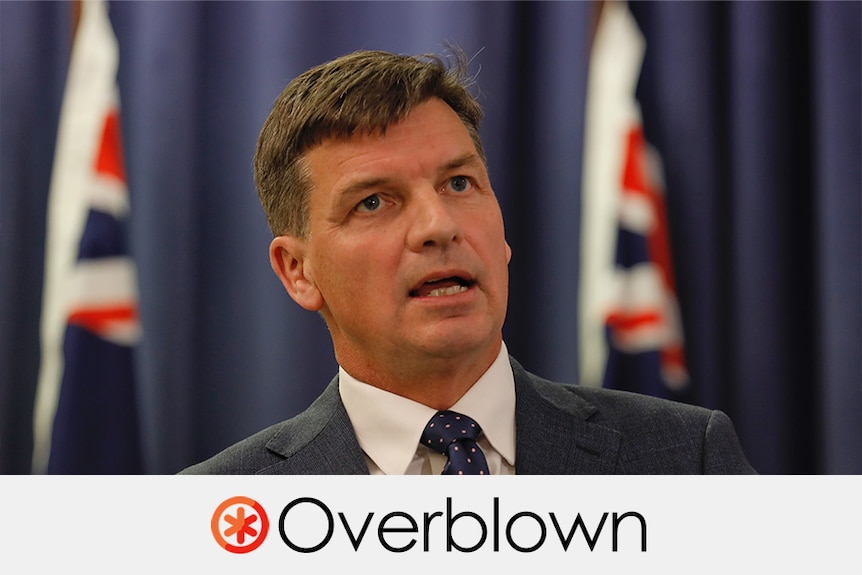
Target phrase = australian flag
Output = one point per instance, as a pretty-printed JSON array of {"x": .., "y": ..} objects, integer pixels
[
  {"x": 86, "y": 410},
  {"x": 630, "y": 327}
]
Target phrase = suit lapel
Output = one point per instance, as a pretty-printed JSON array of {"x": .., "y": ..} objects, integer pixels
[
  {"x": 553, "y": 434},
  {"x": 319, "y": 441}
]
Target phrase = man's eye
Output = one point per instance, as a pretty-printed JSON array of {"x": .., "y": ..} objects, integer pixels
[
  {"x": 459, "y": 183},
  {"x": 369, "y": 204}
]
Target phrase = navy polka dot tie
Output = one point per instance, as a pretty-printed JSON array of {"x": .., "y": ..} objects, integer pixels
[{"x": 454, "y": 435}]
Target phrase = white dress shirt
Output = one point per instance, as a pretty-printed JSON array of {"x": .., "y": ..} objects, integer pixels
[{"x": 388, "y": 426}]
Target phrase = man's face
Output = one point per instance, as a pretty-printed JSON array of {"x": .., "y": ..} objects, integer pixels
[{"x": 406, "y": 256}]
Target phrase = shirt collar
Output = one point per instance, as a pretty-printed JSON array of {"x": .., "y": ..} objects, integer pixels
[{"x": 388, "y": 426}]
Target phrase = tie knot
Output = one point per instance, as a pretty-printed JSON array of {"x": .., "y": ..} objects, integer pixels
[
  {"x": 454, "y": 435},
  {"x": 447, "y": 427}
]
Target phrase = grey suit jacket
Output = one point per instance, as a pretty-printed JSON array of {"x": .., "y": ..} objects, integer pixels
[{"x": 560, "y": 429}]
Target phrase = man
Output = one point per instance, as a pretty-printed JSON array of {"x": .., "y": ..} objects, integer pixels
[{"x": 372, "y": 175}]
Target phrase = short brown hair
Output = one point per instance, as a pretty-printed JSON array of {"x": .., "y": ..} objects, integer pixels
[{"x": 362, "y": 92}]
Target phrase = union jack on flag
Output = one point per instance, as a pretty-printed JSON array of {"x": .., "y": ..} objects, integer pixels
[
  {"x": 86, "y": 410},
  {"x": 630, "y": 328}
]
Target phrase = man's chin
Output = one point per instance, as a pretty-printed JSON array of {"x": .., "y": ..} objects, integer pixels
[{"x": 458, "y": 343}]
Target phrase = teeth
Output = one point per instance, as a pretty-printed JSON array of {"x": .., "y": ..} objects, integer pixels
[{"x": 452, "y": 290}]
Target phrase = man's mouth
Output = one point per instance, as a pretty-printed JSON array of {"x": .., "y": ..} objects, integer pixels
[{"x": 442, "y": 287}]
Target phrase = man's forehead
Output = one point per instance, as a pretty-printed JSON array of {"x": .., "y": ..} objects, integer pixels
[{"x": 432, "y": 133}]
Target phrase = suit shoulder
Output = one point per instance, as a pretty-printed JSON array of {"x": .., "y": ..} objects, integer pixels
[
  {"x": 618, "y": 409},
  {"x": 268, "y": 447},
  {"x": 634, "y": 408},
  {"x": 248, "y": 456},
  {"x": 320, "y": 440},
  {"x": 655, "y": 435},
  {"x": 668, "y": 435}
]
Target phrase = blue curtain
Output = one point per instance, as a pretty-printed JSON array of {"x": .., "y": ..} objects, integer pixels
[{"x": 755, "y": 108}]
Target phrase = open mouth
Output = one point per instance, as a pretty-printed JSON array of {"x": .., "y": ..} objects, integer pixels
[{"x": 441, "y": 287}]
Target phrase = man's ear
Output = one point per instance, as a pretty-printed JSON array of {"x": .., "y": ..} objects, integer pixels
[{"x": 288, "y": 257}]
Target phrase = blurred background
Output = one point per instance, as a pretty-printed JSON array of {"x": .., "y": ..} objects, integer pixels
[{"x": 753, "y": 107}]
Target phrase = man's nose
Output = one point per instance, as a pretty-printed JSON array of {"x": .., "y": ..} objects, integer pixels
[{"x": 433, "y": 222}]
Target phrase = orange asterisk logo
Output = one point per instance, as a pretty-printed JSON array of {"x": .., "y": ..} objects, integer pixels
[{"x": 239, "y": 524}]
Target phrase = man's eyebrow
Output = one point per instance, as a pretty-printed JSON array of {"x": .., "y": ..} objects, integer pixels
[
  {"x": 362, "y": 185},
  {"x": 467, "y": 160}
]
